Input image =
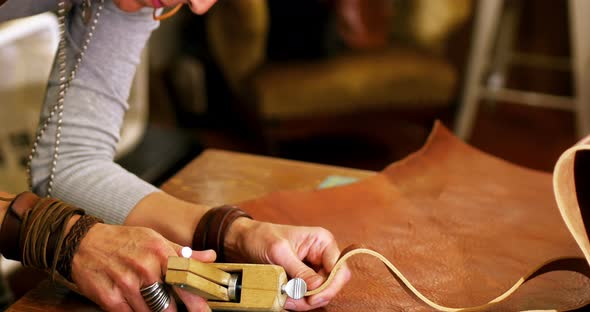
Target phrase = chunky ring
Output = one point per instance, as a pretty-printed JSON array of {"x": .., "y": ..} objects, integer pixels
[{"x": 156, "y": 297}]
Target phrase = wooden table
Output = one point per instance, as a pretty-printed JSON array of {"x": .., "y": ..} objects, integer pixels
[{"x": 215, "y": 177}]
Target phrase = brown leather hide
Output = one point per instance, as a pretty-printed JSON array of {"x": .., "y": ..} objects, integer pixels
[{"x": 461, "y": 225}]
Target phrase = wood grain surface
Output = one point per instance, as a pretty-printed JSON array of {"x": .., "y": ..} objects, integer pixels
[{"x": 220, "y": 177}]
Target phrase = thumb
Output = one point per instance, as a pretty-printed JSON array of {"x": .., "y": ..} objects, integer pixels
[
  {"x": 296, "y": 268},
  {"x": 208, "y": 255}
]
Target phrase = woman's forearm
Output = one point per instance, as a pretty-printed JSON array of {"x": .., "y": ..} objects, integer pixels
[{"x": 175, "y": 219}]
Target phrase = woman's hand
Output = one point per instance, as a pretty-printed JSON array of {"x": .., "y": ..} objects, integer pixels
[
  {"x": 113, "y": 262},
  {"x": 197, "y": 6},
  {"x": 306, "y": 252}
]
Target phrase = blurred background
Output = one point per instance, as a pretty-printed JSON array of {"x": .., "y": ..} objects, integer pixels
[
  {"x": 356, "y": 83},
  {"x": 344, "y": 82},
  {"x": 360, "y": 83}
]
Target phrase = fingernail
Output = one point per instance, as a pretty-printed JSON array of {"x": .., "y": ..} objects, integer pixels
[{"x": 290, "y": 305}]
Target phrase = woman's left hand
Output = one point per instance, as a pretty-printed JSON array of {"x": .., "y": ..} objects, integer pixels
[{"x": 306, "y": 252}]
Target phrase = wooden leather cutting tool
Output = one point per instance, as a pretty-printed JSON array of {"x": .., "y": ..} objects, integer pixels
[{"x": 235, "y": 286}]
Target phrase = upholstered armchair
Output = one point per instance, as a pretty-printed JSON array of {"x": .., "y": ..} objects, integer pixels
[{"x": 410, "y": 72}]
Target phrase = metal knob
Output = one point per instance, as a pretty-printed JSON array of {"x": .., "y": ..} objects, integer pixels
[{"x": 295, "y": 288}]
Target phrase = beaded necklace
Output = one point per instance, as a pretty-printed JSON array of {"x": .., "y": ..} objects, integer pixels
[{"x": 64, "y": 83}]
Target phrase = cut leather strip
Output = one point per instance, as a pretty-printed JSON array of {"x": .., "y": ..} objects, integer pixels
[
  {"x": 568, "y": 193},
  {"x": 461, "y": 225},
  {"x": 568, "y": 264}
]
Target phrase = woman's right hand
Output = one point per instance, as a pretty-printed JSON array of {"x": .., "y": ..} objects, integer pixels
[{"x": 113, "y": 262}]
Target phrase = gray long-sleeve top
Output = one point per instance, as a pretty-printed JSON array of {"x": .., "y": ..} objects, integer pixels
[{"x": 94, "y": 106}]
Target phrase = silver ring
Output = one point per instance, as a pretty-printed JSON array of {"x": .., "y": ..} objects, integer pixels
[{"x": 156, "y": 297}]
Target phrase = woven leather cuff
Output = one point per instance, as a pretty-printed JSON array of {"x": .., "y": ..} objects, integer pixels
[
  {"x": 10, "y": 230},
  {"x": 211, "y": 230},
  {"x": 71, "y": 243}
]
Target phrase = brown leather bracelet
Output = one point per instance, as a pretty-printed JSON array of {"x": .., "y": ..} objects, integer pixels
[
  {"x": 213, "y": 226},
  {"x": 10, "y": 230},
  {"x": 71, "y": 243}
]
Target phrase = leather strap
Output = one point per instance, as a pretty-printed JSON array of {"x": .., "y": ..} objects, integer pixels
[
  {"x": 71, "y": 243},
  {"x": 211, "y": 230},
  {"x": 559, "y": 264},
  {"x": 571, "y": 187},
  {"x": 10, "y": 230},
  {"x": 53, "y": 240},
  {"x": 45, "y": 238}
]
